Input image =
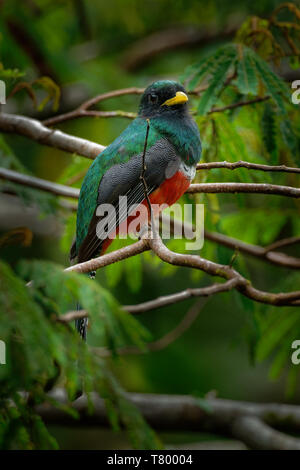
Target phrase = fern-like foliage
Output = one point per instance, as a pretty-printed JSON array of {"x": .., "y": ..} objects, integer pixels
[
  {"x": 247, "y": 80},
  {"x": 42, "y": 352},
  {"x": 243, "y": 68},
  {"x": 277, "y": 329}
]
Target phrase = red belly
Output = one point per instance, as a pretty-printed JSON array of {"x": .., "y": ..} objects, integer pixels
[
  {"x": 170, "y": 190},
  {"x": 167, "y": 193}
]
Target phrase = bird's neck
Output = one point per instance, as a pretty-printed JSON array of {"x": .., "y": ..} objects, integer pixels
[{"x": 183, "y": 133}]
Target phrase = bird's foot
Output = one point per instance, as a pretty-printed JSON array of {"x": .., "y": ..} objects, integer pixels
[{"x": 145, "y": 231}]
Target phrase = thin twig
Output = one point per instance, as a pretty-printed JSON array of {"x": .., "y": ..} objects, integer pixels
[
  {"x": 80, "y": 113},
  {"x": 278, "y": 258},
  {"x": 111, "y": 94},
  {"x": 282, "y": 243},
  {"x": 188, "y": 293},
  {"x": 83, "y": 110},
  {"x": 72, "y": 315},
  {"x": 162, "y": 301},
  {"x": 110, "y": 258},
  {"x": 248, "y": 165},
  {"x": 162, "y": 342},
  {"x": 239, "y": 104},
  {"x": 256, "y": 188}
]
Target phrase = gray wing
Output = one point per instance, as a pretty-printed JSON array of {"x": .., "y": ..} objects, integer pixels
[{"x": 124, "y": 179}]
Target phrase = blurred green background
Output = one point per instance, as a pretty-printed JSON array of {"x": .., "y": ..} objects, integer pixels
[{"x": 89, "y": 48}]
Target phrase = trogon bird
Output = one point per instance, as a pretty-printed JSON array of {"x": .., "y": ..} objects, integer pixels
[{"x": 172, "y": 153}]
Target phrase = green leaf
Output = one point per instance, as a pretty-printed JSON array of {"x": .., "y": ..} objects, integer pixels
[
  {"x": 110, "y": 323},
  {"x": 133, "y": 270},
  {"x": 282, "y": 358},
  {"x": 289, "y": 136},
  {"x": 210, "y": 96},
  {"x": 246, "y": 74},
  {"x": 250, "y": 225},
  {"x": 68, "y": 234},
  {"x": 74, "y": 173},
  {"x": 41, "y": 436},
  {"x": 273, "y": 335},
  {"x": 269, "y": 131},
  {"x": 40, "y": 350},
  {"x": 141, "y": 435},
  {"x": 275, "y": 87},
  {"x": 208, "y": 65}
]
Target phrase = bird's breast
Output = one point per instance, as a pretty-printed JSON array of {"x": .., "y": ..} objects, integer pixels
[
  {"x": 173, "y": 188},
  {"x": 170, "y": 190}
]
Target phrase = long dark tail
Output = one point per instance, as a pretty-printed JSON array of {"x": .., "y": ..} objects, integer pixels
[{"x": 82, "y": 323}]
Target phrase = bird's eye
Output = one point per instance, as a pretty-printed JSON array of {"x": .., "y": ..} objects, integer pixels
[{"x": 153, "y": 98}]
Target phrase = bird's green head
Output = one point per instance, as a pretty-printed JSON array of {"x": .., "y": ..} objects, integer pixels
[{"x": 162, "y": 98}]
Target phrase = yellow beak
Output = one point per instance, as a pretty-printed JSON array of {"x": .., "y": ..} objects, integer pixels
[{"x": 179, "y": 98}]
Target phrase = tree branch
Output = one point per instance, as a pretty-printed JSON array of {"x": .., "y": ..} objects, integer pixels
[
  {"x": 39, "y": 183},
  {"x": 110, "y": 258},
  {"x": 111, "y": 94},
  {"x": 251, "y": 423},
  {"x": 165, "y": 300},
  {"x": 258, "y": 435},
  {"x": 214, "y": 269},
  {"x": 258, "y": 188},
  {"x": 79, "y": 113},
  {"x": 72, "y": 315},
  {"x": 162, "y": 342},
  {"x": 242, "y": 284},
  {"x": 62, "y": 190},
  {"x": 248, "y": 165},
  {"x": 239, "y": 104},
  {"x": 277, "y": 258},
  {"x": 83, "y": 110},
  {"x": 280, "y": 259},
  {"x": 36, "y": 131},
  {"x": 282, "y": 243}
]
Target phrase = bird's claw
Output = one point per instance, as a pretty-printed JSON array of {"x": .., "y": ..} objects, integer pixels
[{"x": 145, "y": 231}]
